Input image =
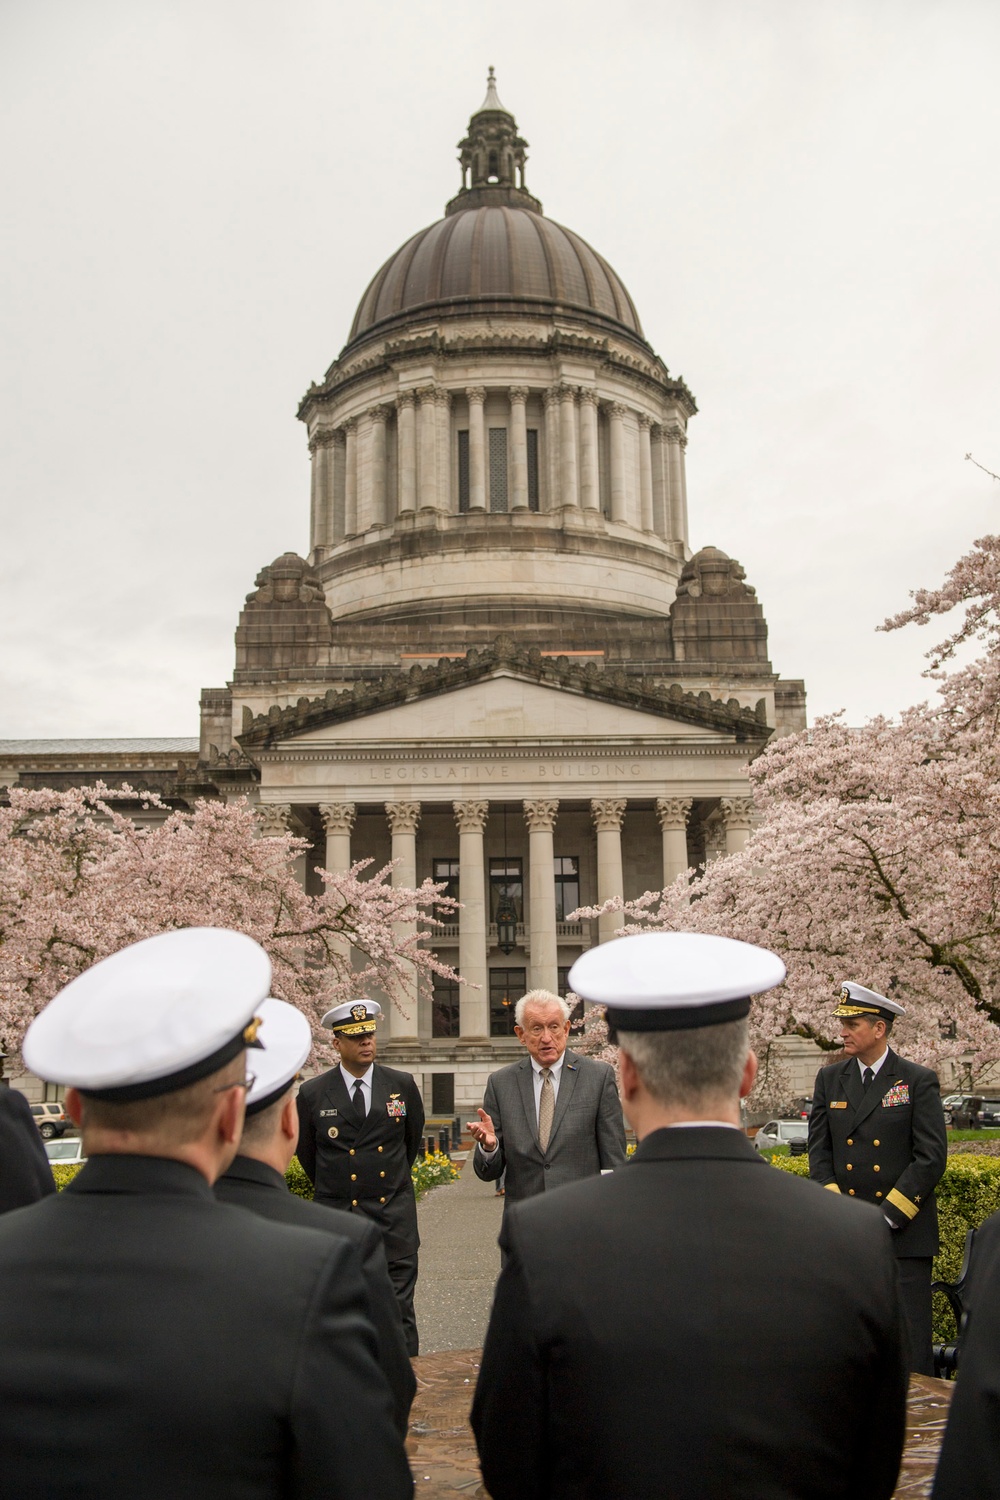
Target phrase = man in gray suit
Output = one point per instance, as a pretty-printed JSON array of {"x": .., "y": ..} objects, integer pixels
[{"x": 551, "y": 1118}]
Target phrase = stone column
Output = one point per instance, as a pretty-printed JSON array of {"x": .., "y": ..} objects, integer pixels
[
  {"x": 618, "y": 496},
  {"x": 474, "y": 1005},
  {"x": 737, "y": 813},
  {"x": 403, "y": 819},
  {"x": 682, "y": 465},
  {"x": 338, "y": 820},
  {"x": 661, "y": 487},
  {"x": 442, "y": 402},
  {"x": 275, "y": 819},
  {"x": 645, "y": 473},
  {"x": 338, "y": 479},
  {"x": 552, "y": 442},
  {"x": 406, "y": 427},
  {"x": 317, "y": 456},
  {"x": 477, "y": 448},
  {"x": 568, "y": 478},
  {"x": 673, "y": 815},
  {"x": 541, "y": 820},
  {"x": 676, "y": 506},
  {"x": 590, "y": 482},
  {"x": 351, "y": 478},
  {"x": 607, "y": 814},
  {"x": 377, "y": 482},
  {"x": 518, "y": 447},
  {"x": 364, "y": 481},
  {"x": 427, "y": 456}
]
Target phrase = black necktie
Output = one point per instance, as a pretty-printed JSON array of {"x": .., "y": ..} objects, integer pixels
[
  {"x": 359, "y": 1102},
  {"x": 867, "y": 1079}
]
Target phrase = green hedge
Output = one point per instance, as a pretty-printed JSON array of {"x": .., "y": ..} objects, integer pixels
[
  {"x": 967, "y": 1194},
  {"x": 431, "y": 1170}
]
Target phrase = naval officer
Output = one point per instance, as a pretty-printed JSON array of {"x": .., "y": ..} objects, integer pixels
[
  {"x": 697, "y": 1323},
  {"x": 256, "y": 1180},
  {"x": 360, "y": 1128},
  {"x": 877, "y": 1132},
  {"x": 154, "y": 1342}
]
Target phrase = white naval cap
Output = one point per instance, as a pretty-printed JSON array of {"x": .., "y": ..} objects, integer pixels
[
  {"x": 672, "y": 981},
  {"x": 353, "y": 1018},
  {"x": 855, "y": 1000},
  {"x": 286, "y": 1038},
  {"x": 153, "y": 1017}
]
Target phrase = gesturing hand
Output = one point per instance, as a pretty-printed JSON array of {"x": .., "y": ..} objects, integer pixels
[{"x": 482, "y": 1131}]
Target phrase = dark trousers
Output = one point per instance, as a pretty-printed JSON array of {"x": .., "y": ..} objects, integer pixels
[
  {"x": 915, "y": 1298},
  {"x": 403, "y": 1275}
]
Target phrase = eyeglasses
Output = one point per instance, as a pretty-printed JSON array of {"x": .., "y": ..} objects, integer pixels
[
  {"x": 237, "y": 1083},
  {"x": 555, "y": 1029}
]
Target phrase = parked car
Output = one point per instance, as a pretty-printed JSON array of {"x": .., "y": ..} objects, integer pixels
[
  {"x": 51, "y": 1119},
  {"x": 65, "y": 1153},
  {"x": 781, "y": 1133},
  {"x": 971, "y": 1112}
]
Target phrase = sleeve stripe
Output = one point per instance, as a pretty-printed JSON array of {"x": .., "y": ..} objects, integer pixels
[
  {"x": 831, "y": 1187},
  {"x": 903, "y": 1204}
]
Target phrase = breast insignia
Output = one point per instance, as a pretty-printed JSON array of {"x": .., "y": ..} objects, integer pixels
[{"x": 333, "y": 1132}]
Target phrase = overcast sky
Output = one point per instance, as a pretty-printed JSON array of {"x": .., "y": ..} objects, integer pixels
[{"x": 800, "y": 195}]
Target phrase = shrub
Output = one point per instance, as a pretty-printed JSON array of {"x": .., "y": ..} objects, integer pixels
[
  {"x": 432, "y": 1170},
  {"x": 64, "y": 1172},
  {"x": 967, "y": 1194}
]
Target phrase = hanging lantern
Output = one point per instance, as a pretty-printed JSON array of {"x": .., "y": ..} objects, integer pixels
[{"x": 506, "y": 924}]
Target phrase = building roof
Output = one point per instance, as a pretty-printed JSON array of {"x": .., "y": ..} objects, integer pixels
[{"x": 183, "y": 746}]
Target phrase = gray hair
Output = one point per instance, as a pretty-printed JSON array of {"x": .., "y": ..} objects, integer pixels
[
  {"x": 690, "y": 1068},
  {"x": 538, "y": 997}
]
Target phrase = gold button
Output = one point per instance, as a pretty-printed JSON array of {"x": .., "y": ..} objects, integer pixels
[
  {"x": 354, "y": 1176},
  {"x": 380, "y": 1148},
  {"x": 878, "y": 1195},
  {"x": 381, "y": 1174},
  {"x": 876, "y": 1143},
  {"x": 850, "y": 1141},
  {"x": 850, "y": 1167},
  {"x": 381, "y": 1200},
  {"x": 851, "y": 1192},
  {"x": 352, "y": 1150},
  {"x": 354, "y": 1202},
  {"x": 875, "y": 1168}
]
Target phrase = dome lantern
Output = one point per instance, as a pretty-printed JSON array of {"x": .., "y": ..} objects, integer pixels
[{"x": 492, "y": 158}]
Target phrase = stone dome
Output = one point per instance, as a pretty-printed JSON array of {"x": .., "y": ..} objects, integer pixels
[{"x": 505, "y": 257}]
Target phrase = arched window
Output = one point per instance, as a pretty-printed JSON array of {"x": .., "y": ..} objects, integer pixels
[{"x": 493, "y": 171}]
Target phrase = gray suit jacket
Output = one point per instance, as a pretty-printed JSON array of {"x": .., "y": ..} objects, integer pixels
[{"x": 587, "y": 1129}]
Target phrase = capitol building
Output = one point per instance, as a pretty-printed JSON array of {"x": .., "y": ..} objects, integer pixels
[{"x": 500, "y": 664}]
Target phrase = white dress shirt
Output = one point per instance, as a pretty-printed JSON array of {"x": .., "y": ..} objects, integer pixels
[
  {"x": 874, "y": 1066},
  {"x": 365, "y": 1081}
]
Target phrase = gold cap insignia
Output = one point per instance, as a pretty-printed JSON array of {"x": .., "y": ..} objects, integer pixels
[
  {"x": 359, "y": 1012},
  {"x": 250, "y": 1032}
]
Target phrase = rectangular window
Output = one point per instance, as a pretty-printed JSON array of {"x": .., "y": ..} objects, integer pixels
[
  {"x": 567, "y": 885},
  {"x": 446, "y": 871},
  {"x": 444, "y": 1008},
  {"x": 506, "y": 880},
  {"x": 463, "y": 471},
  {"x": 443, "y": 1094},
  {"x": 506, "y": 988},
  {"x": 532, "y": 468},
  {"x": 498, "y": 469}
]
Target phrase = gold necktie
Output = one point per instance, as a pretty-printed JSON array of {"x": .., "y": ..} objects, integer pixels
[{"x": 546, "y": 1109}]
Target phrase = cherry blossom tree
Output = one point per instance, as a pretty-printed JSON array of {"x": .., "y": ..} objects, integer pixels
[
  {"x": 877, "y": 851},
  {"x": 80, "y": 879}
]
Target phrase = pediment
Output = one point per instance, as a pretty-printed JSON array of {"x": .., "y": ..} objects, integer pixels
[{"x": 504, "y": 708}]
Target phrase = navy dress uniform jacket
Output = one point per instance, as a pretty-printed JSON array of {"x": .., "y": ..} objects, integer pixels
[
  {"x": 888, "y": 1146},
  {"x": 695, "y": 1325},
  {"x": 155, "y": 1343},
  {"x": 254, "y": 1185},
  {"x": 969, "y": 1465},
  {"x": 365, "y": 1168},
  {"x": 25, "y": 1174}
]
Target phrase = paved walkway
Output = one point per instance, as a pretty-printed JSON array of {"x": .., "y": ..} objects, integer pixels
[{"x": 459, "y": 1262}]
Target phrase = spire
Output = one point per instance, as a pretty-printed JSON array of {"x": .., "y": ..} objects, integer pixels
[
  {"x": 493, "y": 158},
  {"x": 492, "y": 100}
]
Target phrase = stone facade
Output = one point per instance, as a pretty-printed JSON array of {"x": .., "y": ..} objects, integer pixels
[{"x": 500, "y": 663}]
